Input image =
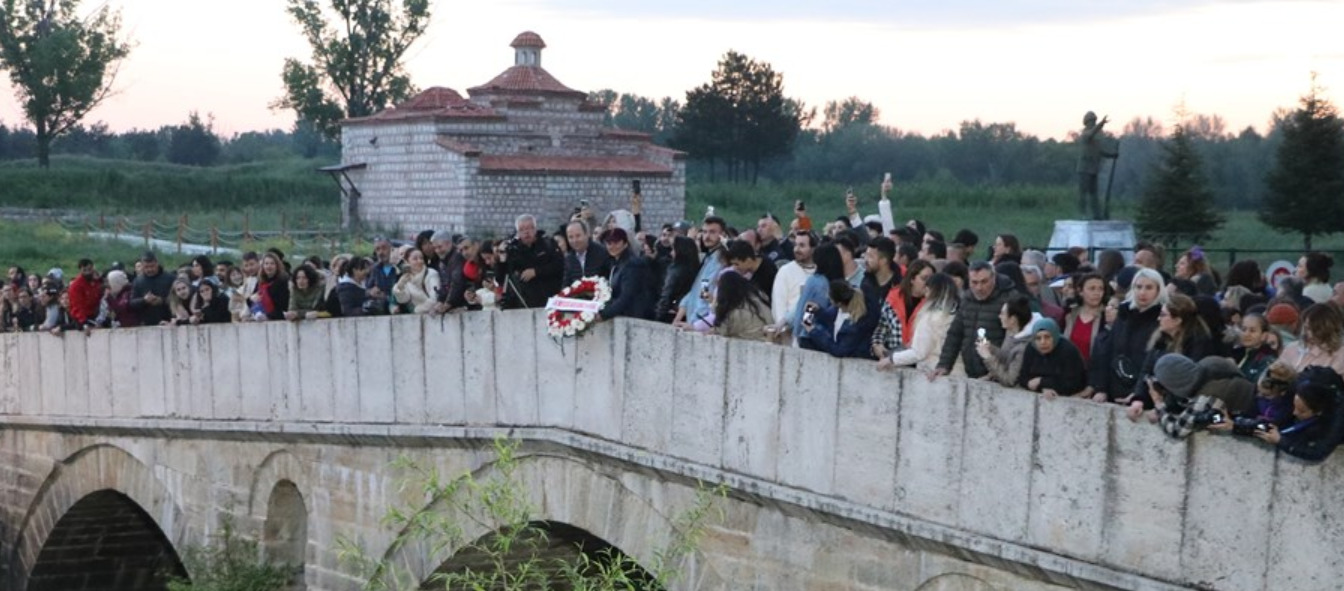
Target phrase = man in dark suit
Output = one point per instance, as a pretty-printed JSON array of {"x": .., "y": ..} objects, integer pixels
[
  {"x": 585, "y": 258},
  {"x": 632, "y": 294}
]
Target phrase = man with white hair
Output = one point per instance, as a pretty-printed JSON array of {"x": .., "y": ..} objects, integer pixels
[
  {"x": 1037, "y": 288},
  {"x": 443, "y": 254},
  {"x": 528, "y": 266},
  {"x": 1046, "y": 294}
]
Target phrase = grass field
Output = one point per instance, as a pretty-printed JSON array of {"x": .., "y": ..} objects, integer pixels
[
  {"x": 1028, "y": 212},
  {"x": 215, "y": 196},
  {"x": 265, "y": 196}
]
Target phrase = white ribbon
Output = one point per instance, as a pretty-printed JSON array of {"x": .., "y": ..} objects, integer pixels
[{"x": 573, "y": 305}]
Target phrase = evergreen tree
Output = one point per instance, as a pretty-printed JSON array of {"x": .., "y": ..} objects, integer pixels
[
  {"x": 1306, "y": 186},
  {"x": 740, "y": 116},
  {"x": 1177, "y": 203}
]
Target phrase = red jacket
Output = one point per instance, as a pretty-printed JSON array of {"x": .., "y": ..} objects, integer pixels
[{"x": 85, "y": 297}]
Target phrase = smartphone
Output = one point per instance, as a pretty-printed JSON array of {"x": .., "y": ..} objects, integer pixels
[
  {"x": 799, "y": 205},
  {"x": 583, "y": 203},
  {"x": 849, "y": 192},
  {"x": 635, "y": 186}
]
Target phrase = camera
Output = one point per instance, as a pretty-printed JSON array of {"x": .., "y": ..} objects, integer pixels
[
  {"x": 1248, "y": 426},
  {"x": 1208, "y": 417}
]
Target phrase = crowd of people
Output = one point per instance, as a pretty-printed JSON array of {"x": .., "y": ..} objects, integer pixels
[{"x": 1189, "y": 349}]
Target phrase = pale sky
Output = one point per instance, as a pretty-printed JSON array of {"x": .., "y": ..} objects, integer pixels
[{"x": 1039, "y": 63}]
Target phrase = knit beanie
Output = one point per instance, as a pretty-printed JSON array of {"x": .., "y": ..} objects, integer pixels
[
  {"x": 1178, "y": 374},
  {"x": 1282, "y": 315},
  {"x": 1125, "y": 278}
]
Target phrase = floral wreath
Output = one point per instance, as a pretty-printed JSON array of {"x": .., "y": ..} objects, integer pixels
[{"x": 573, "y": 310}]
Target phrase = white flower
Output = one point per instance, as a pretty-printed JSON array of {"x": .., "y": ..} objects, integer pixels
[
  {"x": 579, "y": 325},
  {"x": 569, "y": 330}
]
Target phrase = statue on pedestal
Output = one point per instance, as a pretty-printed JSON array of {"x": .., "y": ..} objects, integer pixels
[{"x": 1094, "y": 144}]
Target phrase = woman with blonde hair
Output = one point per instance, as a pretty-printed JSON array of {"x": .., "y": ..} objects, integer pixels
[
  {"x": 1115, "y": 369},
  {"x": 179, "y": 302},
  {"x": 931, "y": 324},
  {"x": 1321, "y": 342}
]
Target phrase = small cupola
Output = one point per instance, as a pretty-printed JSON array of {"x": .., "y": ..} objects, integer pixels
[{"x": 527, "y": 48}]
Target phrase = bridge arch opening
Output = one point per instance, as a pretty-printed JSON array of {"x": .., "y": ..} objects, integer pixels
[
  {"x": 284, "y": 535},
  {"x": 550, "y": 545},
  {"x": 105, "y": 542}
]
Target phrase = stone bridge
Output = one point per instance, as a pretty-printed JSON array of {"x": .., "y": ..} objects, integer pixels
[{"x": 121, "y": 449}]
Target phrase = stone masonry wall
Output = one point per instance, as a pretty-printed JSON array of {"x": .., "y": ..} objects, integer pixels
[
  {"x": 1060, "y": 490},
  {"x": 500, "y": 198},
  {"x": 410, "y": 183}
]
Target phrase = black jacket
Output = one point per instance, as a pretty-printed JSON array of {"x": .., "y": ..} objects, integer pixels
[
  {"x": 159, "y": 285},
  {"x": 278, "y": 291},
  {"x": 352, "y": 298},
  {"x": 972, "y": 315},
  {"x": 1126, "y": 345},
  {"x": 1196, "y": 347},
  {"x": 778, "y": 252},
  {"x": 631, "y": 294},
  {"x": 764, "y": 278},
  {"x": 596, "y": 263},
  {"x": 1062, "y": 370},
  {"x": 216, "y": 312},
  {"x": 1314, "y": 439},
  {"x": 454, "y": 282},
  {"x": 677, "y": 283},
  {"x": 544, "y": 259}
]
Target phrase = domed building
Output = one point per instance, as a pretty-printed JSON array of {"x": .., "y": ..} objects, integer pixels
[{"x": 520, "y": 143}]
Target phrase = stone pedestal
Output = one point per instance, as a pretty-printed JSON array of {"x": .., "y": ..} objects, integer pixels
[{"x": 1093, "y": 234}]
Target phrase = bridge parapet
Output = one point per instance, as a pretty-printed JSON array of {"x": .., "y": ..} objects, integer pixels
[{"x": 1066, "y": 487}]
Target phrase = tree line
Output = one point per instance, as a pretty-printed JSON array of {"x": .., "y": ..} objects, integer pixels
[
  {"x": 739, "y": 126},
  {"x": 194, "y": 142}
]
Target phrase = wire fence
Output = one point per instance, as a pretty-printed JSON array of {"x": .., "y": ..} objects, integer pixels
[{"x": 181, "y": 235}]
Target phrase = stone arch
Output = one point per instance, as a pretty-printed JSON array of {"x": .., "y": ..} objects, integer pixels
[
  {"x": 606, "y": 504},
  {"x": 91, "y": 470},
  {"x": 556, "y": 542},
  {"x": 956, "y": 582},
  {"x": 278, "y": 466},
  {"x": 105, "y": 542},
  {"x": 284, "y": 534},
  {"x": 278, "y": 510}
]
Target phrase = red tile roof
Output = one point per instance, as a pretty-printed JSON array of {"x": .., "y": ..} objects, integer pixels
[
  {"x": 576, "y": 165},
  {"x": 434, "y": 103},
  {"x": 528, "y": 39},
  {"x": 526, "y": 80}
]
